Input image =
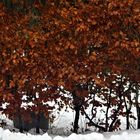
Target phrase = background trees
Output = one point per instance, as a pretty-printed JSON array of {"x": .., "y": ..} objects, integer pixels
[{"x": 70, "y": 44}]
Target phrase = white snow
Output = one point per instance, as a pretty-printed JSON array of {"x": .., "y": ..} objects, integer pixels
[
  {"x": 6, "y": 120},
  {"x": 124, "y": 135},
  {"x": 60, "y": 129}
]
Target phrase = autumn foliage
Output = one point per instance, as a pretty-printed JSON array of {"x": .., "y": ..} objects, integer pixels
[{"x": 49, "y": 44}]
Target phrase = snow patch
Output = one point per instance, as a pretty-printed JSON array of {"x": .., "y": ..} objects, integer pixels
[{"x": 125, "y": 135}]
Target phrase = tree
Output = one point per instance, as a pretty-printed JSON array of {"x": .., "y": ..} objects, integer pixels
[
  {"x": 136, "y": 102},
  {"x": 59, "y": 44}
]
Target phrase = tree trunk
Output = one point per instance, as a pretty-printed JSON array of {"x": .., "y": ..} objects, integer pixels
[
  {"x": 106, "y": 116},
  {"x": 137, "y": 105},
  {"x": 20, "y": 123},
  {"x": 127, "y": 120},
  {"x": 138, "y": 116},
  {"x": 77, "y": 102},
  {"x": 76, "y": 120},
  {"x": 38, "y": 123},
  {"x": 107, "y": 110}
]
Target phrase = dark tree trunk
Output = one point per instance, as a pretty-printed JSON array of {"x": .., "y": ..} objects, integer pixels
[
  {"x": 77, "y": 102},
  {"x": 107, "y": 110},
  {"x": 106, "y": 116},
  {"x": 137, "y": 105},
  {"x": 76, "y": 120},
  {"x": 138, "y": 116},
  {"x": 20, "y": 124},
  {"x": 127, "y": 120},
  {"x": 38, "y": 123}
]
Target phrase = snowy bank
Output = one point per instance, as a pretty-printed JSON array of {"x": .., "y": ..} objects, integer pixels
[{"x": 125, "y": 135}]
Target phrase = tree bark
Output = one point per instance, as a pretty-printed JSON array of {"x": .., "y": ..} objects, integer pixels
[
  {"x": 77, "y": 102},
  {"x": 20, "y": 123},
  {"x": 76, "y": 120},
  {"x": 138, "y": 116},
  {"x": 137, "y": 105},
  {"x": 127, "y": 120},
  {"x": 38, "y": 123},
  {"x": 107, "y": 110}
]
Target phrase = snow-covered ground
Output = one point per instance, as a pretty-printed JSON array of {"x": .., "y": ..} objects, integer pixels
[
  {"x": 60, "y": 129},
  {"x": 125, "y": 135},
  {"x": 62, "y": 125}
]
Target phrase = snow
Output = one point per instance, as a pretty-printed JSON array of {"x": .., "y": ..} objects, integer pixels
[
  {"x": 8, "y": 122},
  {"x": 60, "y": 129},
  {"x": 121, "y": 135}
]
